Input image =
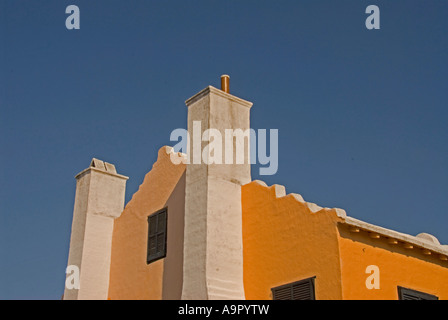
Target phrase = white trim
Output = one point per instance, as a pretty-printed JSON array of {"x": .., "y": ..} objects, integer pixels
[{"x": 419, "y": 242}]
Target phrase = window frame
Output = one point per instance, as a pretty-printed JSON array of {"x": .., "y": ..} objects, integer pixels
[
  {"x": 157, "y": 255},
  {"x": 310, "y": 280},
  {"x": 418, "y": 294}
]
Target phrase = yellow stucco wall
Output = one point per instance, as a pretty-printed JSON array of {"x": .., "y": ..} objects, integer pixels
[
  {"x": 398, "y": 266},
  {"x": 284, "y": 241},
  {"x": 130, "y": 276}
]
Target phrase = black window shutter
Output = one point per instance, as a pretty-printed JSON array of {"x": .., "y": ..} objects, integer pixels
[
  {"x": 409, "y": 294},
  {"x": 157, "y": 235},
  {"x": 300, "y": 290}
]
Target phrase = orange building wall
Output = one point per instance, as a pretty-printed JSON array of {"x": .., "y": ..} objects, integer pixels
[
  {"x": 283, "y": 242},
  {"x": 131, "y": 277},
  {"x": 398, "y": 267}
]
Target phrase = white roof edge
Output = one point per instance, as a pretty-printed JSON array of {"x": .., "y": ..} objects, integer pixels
[
  {"x": 396, "y": 235},
  {"x": 211, "y": 89}
]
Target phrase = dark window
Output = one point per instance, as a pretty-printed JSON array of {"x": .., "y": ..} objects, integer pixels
[
  {"x": 157, "y": 235},
  {"x": 300, "y": 290},
  {"x": 409, "y": 294}
]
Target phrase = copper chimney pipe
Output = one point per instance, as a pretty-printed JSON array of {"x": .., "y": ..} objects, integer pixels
[{"x": 225, "y": 83}]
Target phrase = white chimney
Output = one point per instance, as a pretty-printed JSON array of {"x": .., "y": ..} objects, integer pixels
[
  {"x": 99, "y": 200},
  {"x": 213, "y": 256}
]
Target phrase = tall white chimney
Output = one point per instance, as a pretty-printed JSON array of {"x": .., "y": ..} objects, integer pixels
[
  {"x": 213, "y": 256},
  {"x": 99, "y": 200}
]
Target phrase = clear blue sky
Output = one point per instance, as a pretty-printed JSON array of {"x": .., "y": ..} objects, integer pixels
[{"x": 362, "y": 115}]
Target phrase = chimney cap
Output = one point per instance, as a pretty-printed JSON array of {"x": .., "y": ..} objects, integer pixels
[{"x": 225, "y": 83}]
